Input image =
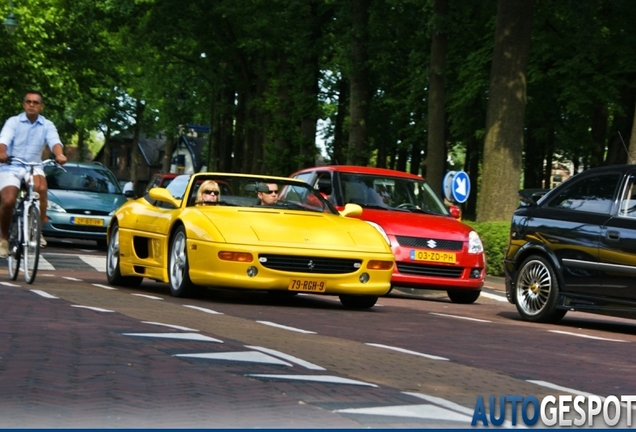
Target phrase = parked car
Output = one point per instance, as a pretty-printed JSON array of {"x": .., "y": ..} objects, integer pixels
[
  {"x": 300, "y": 243},
  {"x": 160, "y": 180},
  {"x": 575, "y": 248},
  {"x": 82, "y": 198},
  {"x": 433, "y": 250}
]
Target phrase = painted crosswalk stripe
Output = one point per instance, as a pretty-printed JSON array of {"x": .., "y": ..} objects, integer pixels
[
  {"x": 182, "y": 336},
  {"x": 328, "y": 379},
  {"x": 238, "y": 356},
  {"x": 422, "y": 411}
]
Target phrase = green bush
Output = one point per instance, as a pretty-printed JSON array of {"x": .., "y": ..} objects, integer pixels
[{"x": 494, "y": 236}]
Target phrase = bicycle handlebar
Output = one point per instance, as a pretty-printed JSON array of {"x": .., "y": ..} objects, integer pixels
[{"x": 51, "y": 161}]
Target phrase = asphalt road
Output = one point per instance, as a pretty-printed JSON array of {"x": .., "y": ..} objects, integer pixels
[{"x": 76, "y": 353}]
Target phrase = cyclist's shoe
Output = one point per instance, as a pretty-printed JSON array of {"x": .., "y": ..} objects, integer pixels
[
  {"x": 4, "y": 248},
  {"x": 42, "y": 242}
]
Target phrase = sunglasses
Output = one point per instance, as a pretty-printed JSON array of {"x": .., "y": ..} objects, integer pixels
[
  {"x": 271, "y": 192},
  {"x": 32, "y": 102},
  {"x": 212, "y": 192}
]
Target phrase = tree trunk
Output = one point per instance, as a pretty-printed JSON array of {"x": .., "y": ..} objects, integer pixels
[
  {"x": 436, "y": 149},
  {"x": 503, "y": 143},
  {"x": 632, "y": 142},
  {"x": 167, "y": 154},
  {"x": 136, "y": 154},
  {"x": 360, "y": 87},
  {"x": 340, "y": 136}
]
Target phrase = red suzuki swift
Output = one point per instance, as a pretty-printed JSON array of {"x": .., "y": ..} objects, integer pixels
[{"x": 433, "y": 249}]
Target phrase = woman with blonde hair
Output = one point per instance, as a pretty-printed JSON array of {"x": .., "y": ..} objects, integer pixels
[{"x": 208, "y": 193}]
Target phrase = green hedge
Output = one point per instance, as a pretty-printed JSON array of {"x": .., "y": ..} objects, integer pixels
[{"x": 494, "y": 236}]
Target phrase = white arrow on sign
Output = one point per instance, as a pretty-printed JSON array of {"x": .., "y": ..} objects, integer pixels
[{"x": 461, "y": 186}]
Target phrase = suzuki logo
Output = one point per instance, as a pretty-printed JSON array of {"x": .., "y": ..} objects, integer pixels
[
  {"x": 431, "y": 243},
  {"x": 311, "y": 265}
]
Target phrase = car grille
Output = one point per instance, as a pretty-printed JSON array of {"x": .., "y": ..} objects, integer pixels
[
  {"x": 425, "y": 243},
  {"x": 81, "y": 228},
  {"x": 305, "y": 264},
  {"x": 87, "y": 213},
  {"x": 430, "y": 270}
]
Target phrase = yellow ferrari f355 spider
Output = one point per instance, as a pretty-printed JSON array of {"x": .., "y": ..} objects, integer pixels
[{"x": 248, "y": 232}]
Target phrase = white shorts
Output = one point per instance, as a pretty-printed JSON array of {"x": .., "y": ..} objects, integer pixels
[{"x": 11, "y": 175}]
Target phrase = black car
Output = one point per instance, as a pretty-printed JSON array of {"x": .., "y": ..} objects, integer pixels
[{"x": 575, "y": 247}]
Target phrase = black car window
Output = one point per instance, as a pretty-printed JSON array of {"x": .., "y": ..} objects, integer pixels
[
  {"x": 590, "y": 194},
  {"x": 628, "y": 203}
]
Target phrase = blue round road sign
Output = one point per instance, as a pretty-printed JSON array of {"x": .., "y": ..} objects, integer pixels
[{"x": 460, "y": 187}]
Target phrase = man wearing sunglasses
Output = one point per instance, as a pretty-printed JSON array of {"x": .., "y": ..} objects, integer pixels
[
  {"x": 25, "y": 136},
  {"x": 270, "y": 197}
]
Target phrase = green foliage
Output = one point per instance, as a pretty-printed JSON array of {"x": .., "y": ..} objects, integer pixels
[{"x": 494, "y": 236}]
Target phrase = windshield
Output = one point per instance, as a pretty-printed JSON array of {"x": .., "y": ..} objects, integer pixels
[
  {"x": 248, "y": 191},
  {"x": 79, "y": 178},
  {"x": 391, "y": 193}
]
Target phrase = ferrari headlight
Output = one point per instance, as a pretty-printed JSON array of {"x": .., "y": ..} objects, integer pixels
[
  {"x": 380, "y": 230},
  {"x": 474, "y": 243},
  {"x": 51, "y": 206}
]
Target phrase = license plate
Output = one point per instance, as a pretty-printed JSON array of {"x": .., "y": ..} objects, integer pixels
[
  {"x": 87, "y": 221},
  {"x": 309, "y": 285},
  {"x": 430, "y": 256}
]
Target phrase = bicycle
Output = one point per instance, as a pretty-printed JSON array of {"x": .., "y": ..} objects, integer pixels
[{"x": 25, "y": 228}]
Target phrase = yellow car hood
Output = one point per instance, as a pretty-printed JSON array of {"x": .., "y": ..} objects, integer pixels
[{"x": 297, "y": 229}]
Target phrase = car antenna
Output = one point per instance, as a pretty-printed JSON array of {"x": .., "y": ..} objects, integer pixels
[{"x": 625, "y": 147}]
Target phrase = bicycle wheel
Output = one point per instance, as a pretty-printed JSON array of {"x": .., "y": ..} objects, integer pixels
[
  {"x": 32, "y": 244},
  {"x": 15, "y": 245}
]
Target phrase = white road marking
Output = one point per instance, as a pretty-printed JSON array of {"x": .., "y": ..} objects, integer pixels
[
  {"x": 96, "y": 309},
  {"x": 72, "y": 279},
  {"x": 587, "y": 336},
  {"x": 148, "y": 296},
  {"x": 104, "y": 286},
  {"x": 43, "y": 264},
  {"x": 176, "y": 327},
  {"x": 442, "y": 402},
  {"x": 494, "y": 296},
  {"x": 285, "y": 327},
  {"x": 239, "y": 356},
  {"x": 563, "y": 389},
  {"x": 9, "y": 284},
  {"x": 313, "y": 378},
  {"x": 98, "y": 263},
  {"x": 182, "y": 336},
  {"x": 402, "y": 350},
  {"x": 459, "y": 317},
  {"x": 423, "y": 411},
  {"x": 44, "y": 294},
  {"x": 210, "y": 311},
  {"x": 287, "y": 357}
]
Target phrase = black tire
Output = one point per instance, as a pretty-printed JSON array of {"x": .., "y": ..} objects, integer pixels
[
  {"x": 113, "y": 272},
  {"x": 358, "y": 301},
  {"x": 31, "y": 255},
  {"x": 15, "y": 246},
  {"x": 463, "y": 296},
  {"x": 178, "y": 267},
  {"x": 536, "y": 291}
]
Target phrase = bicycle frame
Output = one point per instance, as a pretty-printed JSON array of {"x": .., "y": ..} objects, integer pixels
[{"x": 24, "y": 234}]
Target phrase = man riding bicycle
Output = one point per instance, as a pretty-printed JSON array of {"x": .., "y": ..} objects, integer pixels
[{"x": 24, "y": 136}]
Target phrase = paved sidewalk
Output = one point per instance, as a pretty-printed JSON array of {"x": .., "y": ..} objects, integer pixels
[{"x": 495, "y": 282}]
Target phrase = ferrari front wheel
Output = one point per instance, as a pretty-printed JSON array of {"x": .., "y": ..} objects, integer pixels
[
  {"x": 178, "y": 267},
  {"x": 113, "y": 272}
]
